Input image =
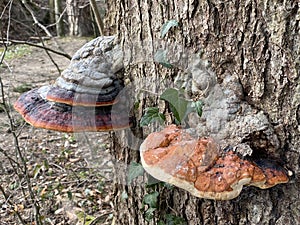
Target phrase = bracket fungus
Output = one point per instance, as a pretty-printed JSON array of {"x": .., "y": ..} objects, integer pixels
[
  {"x": 82, "y": 98},
  {"x": 196, "y": 165}
]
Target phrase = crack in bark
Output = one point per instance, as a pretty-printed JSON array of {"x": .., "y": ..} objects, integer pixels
[{"x": 195, "y": 3}]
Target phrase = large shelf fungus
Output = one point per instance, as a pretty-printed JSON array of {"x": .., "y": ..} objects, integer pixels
[
  {"x": 81, "y": 98},
  {"x": 196, "y": 165}
]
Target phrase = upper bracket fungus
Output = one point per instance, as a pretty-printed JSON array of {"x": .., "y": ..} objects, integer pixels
[
  {"x": 197, "y": 165},
  {"x": 81, "y": 98}
]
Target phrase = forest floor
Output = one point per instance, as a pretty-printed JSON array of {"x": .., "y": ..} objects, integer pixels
[{"x": 68, "y": 176}]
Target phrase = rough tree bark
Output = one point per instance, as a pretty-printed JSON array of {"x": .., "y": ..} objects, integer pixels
[{"x": 256, "y": 43}]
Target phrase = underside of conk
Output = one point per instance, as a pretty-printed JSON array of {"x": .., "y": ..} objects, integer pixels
[{"x": 197, "y": 165}]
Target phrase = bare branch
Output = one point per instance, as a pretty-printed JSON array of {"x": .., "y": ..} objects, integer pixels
[
  {"x": 9, "y": 18},
  {"x": 35, "y": 19},
  {"x": 20, "y": 155},
  {"x": 7, "y": 199},
  {"x": 59, "y": 19},
  {"x": 9, "y": 3},
  {"x": 52, "y": 60},
  {"x": 97, "y": 16},
  {"x": 39, "y": 46}
]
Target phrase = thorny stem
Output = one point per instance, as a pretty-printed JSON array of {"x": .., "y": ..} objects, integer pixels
[
  {"x": 18, "y": 150},
  {"x": 10, "y": 160}
]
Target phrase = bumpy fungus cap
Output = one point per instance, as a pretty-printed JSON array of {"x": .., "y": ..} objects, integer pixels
[
  {"x": 90, "y": 79},
  {"x": 196, "y": 165},
  {"x": 81, "y": 99}
]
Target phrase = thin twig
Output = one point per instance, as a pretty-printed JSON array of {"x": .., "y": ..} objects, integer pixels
[
  {"x": 2, "y": 13},
  {"x": 9, "y": 202},
  {"x": 37, "y": 22},
  {"x": 59, "y": 19},
  {"x": 97, "y": 17},
  {"x": 35, "y": 19},
  {"x": 20, "y": 155},
  {"x": 10, "y": 160},
  {"x": 39, "y": 46},
  {"x": 23, "y": 165},
  {"x": 3, "y": 54},
  {"x": 9, "y": 19},
  {"x": 19, "y": 174},
  {"x": 52, "y": 60}
]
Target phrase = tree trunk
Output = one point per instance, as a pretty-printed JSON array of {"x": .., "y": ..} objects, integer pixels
[
  {"x": 59, "y": 22},
  {"x": 253, "y": 48},
  {"x": 51, "y": 11},
  {"x": 79, "y": 18}
]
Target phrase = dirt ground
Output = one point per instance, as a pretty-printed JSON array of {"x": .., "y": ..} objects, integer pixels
[{"x": 69, "y": 175}]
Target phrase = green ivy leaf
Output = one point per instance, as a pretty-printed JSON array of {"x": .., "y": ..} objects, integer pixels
[
  {"x": 152, "y": 114},
  {"x": 151, "y": 181},
  {"x": 135, "y": 170},
  {"x": 151, "y": 199},
  {"x": 149, "y": 214},
  {"x": 197, "y": 106},
  {"x": 167, "y": 26},
  {"x": 161, "y": 57},
  {"x": 178, "y": 104}
]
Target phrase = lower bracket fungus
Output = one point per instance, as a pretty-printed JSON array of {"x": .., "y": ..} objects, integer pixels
[
  {"x": 41, "y": 113},
  {"x": 81, "y": 98},
  {"x": 197, "y": 165}
]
